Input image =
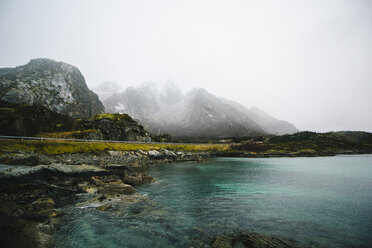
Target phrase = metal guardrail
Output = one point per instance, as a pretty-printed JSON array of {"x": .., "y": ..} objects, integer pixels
[{"x": 103, "y": 141}]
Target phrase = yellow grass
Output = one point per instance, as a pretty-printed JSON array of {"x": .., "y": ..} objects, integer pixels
[
  {"x": 61, "y": 147},
  {"x": 67, "y": 135}
]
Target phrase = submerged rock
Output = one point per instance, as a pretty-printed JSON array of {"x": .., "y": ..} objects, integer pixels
[
  {"x": 137, "y": 179},
  {"x": 115, "y": 188},
  {"x": 250, "y": 240},
  {"x": 42, "y": 204}
]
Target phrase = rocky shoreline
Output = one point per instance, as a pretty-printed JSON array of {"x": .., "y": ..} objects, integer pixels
[
  {"x": 290, "y": 154},
  {"x": 34, "y": 188}
]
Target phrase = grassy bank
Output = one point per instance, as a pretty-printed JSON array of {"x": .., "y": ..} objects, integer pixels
[{"x": 62, "y": 147}]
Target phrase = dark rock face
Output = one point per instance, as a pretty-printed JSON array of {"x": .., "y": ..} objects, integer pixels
[
  {"x": 113, "y": 127},
  {"x": 56, "y": 85},
  {"x": 25, "y": 120}
]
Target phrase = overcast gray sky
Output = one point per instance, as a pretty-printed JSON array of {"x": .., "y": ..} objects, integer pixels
[{"x": 308, "y": 62}]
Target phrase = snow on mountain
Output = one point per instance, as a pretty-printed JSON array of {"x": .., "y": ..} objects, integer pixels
[
  {"x": 198, "y": 113},
  {"x": 107, "y": 89}
]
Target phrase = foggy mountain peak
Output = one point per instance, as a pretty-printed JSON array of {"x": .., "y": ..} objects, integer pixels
[
  {"x": 170, "y": 93},
  {"x": 163, "y": 108},
  {"x": 106, "y": 89}
]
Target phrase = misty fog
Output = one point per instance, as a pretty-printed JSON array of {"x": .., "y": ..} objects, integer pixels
[{"x": 306, "y": 62}]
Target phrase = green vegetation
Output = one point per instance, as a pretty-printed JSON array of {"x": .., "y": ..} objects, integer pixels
[
  {"x": 80, "y": 134},
  {"x": 307, "y": 143},
  {"x": 113, "y": 117},
  {"x": 61, "y": 147},
  {"x": 25, "y": 120}
]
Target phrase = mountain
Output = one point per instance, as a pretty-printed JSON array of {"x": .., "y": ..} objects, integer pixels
[
  {"x": 106, "y": 89},
  {"x": 140, "y": 102},
  {"x": 198, "y": 113},
  {"x": 268, "y": 123},
  {"x": 58, "y": 86},
  {"x": 206, "y": 115}
]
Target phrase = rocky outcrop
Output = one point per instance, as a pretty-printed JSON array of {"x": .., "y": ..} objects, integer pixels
[
  {"x": 58, "y": 86},
  {"x": 32, "y": 198},
  {"x": 116, "y": 188},
  {"x": 250, "y": 240},
  {"x": 26, "y": 120},
  {"x": 137, "y": 179},
  {"x": 109, "y": 159},
  {"x": 112, "y": 127}
]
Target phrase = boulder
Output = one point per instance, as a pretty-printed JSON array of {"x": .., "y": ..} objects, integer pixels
[
  {"x": 168, "y": 153},
  {"x": 137, "y": 179},
  {"x": 154, "y": 154},
  {"x": 42, "y": 209},
  {"x": 42, "y": 204},
  {"x": 116, "y": 188}
]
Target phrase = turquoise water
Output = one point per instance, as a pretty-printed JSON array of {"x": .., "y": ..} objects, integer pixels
[{"x": 320, "y": 202}]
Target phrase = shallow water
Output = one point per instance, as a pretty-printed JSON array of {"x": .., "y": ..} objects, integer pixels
[{"x": 321, "y": 202}]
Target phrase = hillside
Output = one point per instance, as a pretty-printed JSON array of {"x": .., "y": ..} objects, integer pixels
[
  {"x": 26, "y": 120},
  {"x": 306, "y": 144}
]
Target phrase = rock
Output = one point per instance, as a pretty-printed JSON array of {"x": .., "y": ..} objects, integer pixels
[
  {"x": 113, "y": 127},
  {"x": 115, "y": 153},
  {"x": 154, "y": 154},
  {"x": 137, "y": 179},
  {"x": 116, "y": 188},
  {"x": 104, "y": 207},
  {"x": 253, "y": 240},
  {"x": 20, "y": 159},
  {"x": 168, "y": 153},
  {"x": 42, "y": 209},
  {"x": 42, "y": 204},
  {"x": 55, "y": 171},
  {"x": 180, "y": 154}
]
